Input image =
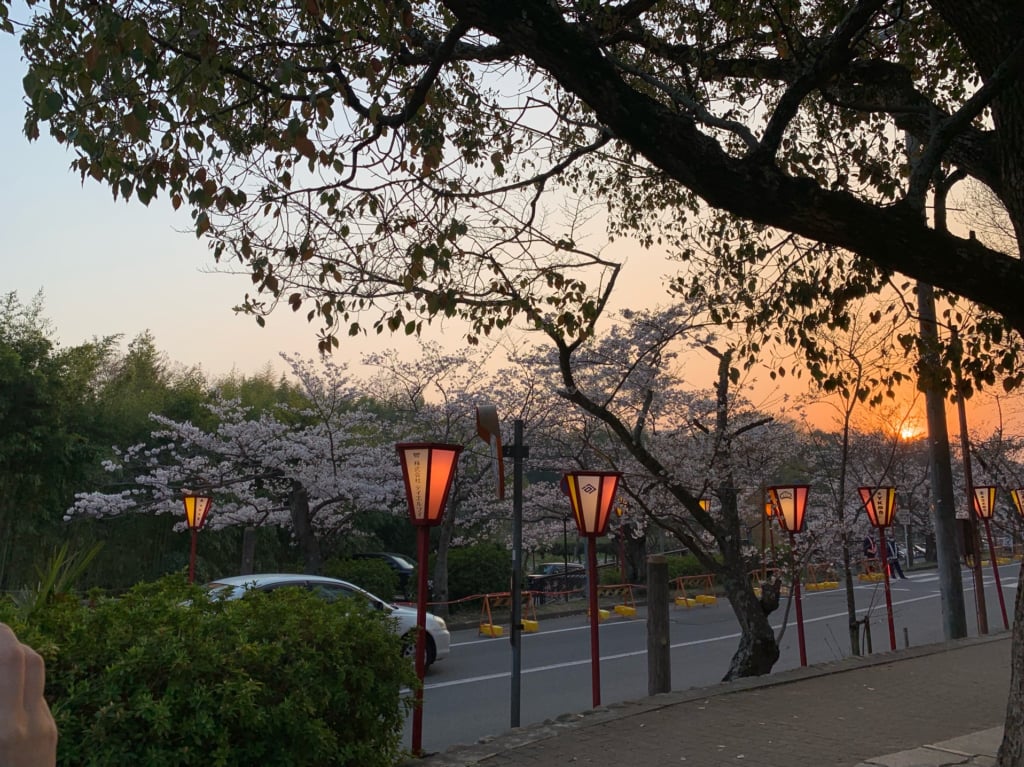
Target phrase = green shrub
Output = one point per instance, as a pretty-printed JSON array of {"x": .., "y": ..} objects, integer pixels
[
  {"x": 609, "y": 575},
  {"x": 481, "y": 569},
  {"x": 680, "y": 565},
  {"x": 163, "y": 676},
  {"x": 374, "y": 575}
]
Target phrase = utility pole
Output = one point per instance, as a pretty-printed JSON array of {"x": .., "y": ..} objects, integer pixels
[
  {"x": 951, "y": 589},
  {"x": 972, "y": 542},
  {"x": 517, "y": 451}
]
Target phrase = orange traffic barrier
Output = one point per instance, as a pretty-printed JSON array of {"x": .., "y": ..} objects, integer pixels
[
  {"x": 622, "y": 593},
  {"x": 821, "y": 577},
  {"x": 693, "y": 590},
  {"x": 504, "y": 600}
]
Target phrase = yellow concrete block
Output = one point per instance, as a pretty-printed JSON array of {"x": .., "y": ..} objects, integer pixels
[
  {"x": 706, "y": 599},
  {"x": 686, "y": 602},
  {"x": 489, "y": 629},
  {"x": 601, "y": 614},
  {"x": 531, "y": 627},
  {"x": 625, "y": 610}
]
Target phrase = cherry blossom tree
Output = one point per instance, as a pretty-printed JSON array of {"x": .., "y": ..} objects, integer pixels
[
  {"x": 306, "y": 469},
  {"x": 674, "y": 445}
]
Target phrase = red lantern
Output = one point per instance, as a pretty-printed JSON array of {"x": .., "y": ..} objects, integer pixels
[
  {"x": 591, "y": 495},
  {"x": 790, "y": 503},
  {"x": 428, "y": 470},
  {"x": 880, "y": 504},
  {"x": 984, "y": 501}
]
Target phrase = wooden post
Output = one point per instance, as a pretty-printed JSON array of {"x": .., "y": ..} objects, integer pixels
[{"x": 659, "y": 665}]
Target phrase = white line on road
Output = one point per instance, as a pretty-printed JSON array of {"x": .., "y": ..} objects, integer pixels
[{"x": 691, "y": 643}]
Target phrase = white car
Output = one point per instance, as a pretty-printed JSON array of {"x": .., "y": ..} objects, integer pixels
[{"x": 438, "y": 638}]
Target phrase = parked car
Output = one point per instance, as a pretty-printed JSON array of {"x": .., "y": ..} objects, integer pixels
[
  {"x": 438, "y": 638},
  {"x": 404, "y": 567},
  {"x": 556, "y": 577},
  {"x": 557, "y": 568}
]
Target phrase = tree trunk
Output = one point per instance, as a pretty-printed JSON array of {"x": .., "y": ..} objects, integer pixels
[
  {"x": 1011, "y": 752},
  {"x": 302, "y": 527},
  {"x": 758, "y": 649},
  {"x": 248, "y": 550},
  {"x": 440, "y": 586}
]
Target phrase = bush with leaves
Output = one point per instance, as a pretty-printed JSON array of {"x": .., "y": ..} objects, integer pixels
[
  {"x": 682, "y": 565},
  {"x": 374, "y": 575},
  {"x": 164, "y": 676},
  {"x": 485, "y": 568}
]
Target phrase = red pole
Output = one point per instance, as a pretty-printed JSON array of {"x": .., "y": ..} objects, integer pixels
[
  {"x": 595, "y": 652},
  {"x": 192, "y": 558},
  {"x": 995, "y": 572},
  {"x": 423, "y": 546},
  {"x": 884, "y": 555},
  {"x": 796, "y": 597},
  {"x": 764, "y": 546}
]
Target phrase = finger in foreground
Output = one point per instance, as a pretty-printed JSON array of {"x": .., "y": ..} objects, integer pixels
[{"x": 12, "y": 672}]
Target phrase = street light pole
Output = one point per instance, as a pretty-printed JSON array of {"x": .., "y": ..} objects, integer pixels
[
  {"x": 197, "y": 507},
  {"x": 790, "y": 504},
  {"x": 591, "y": 495},
  {"x": 985, "y": 507},
  {"x": 880, "y": 504},
  {"x": 428, "y": 470}
]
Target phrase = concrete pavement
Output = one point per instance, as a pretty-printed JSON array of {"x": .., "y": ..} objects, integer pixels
[{"x": 925, "y": 706}]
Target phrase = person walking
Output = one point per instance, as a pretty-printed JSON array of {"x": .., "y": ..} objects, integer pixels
[{"x": 894, "y": 559}]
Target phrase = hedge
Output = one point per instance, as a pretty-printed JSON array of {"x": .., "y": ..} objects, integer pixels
[{"x": 163, "y": 676}]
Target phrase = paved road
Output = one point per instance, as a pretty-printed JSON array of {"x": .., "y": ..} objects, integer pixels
[{"x": 468, "y": 696}]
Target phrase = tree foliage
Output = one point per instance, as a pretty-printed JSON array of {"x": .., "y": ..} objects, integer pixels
[{"x": 381, "y": 164}]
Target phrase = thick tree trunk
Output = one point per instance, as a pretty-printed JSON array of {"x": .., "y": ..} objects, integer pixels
[
  {"x": 248, "y": 550},
  {"x": 302, "y": 528},
  {"x": 758, "y": 649},
  {"x": 1011, "y": 752}
]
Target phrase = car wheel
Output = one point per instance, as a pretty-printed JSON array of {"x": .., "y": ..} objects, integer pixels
[{"x": 409, "y": 649}]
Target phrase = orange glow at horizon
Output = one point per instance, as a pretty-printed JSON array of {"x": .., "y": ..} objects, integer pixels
[{"x": 911, "y": 431}]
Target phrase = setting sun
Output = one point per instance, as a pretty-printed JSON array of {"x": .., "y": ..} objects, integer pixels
[{"x": 911, "y": 431}]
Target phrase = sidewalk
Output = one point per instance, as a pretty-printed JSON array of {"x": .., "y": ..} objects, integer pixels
[{"x": 926, "y": 706}]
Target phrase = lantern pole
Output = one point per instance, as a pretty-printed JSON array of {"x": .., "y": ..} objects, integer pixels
[
  {"x": 422, "y": 561},
  {"x": 883, "y": 551},
  {"x": 592, "y": 494},
  {"x": 197, "y": 507},
  {"x": 192, "y": 556},
  {"x": 427, "y": 470},
  {"x": 984, "y": 507},
  {"x": 595, "y": 641},
  {"x": 790, "y": 505},
  {"x": 796, "y": 598},
  {"x": 995, "y": 573},
  {"x": 880, "y": 505}
]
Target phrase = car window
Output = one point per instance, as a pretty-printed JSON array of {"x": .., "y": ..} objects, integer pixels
[
  {"x": 332, "y": 591},
  {"x": 287, "y": 585}
]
